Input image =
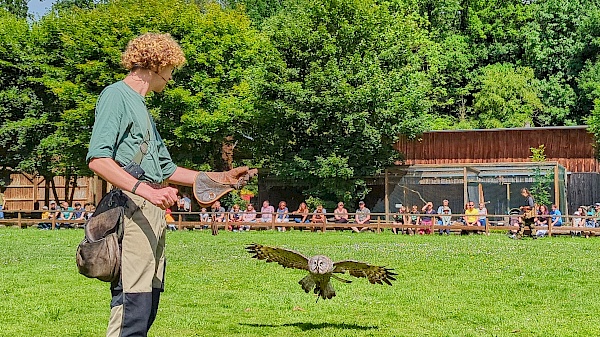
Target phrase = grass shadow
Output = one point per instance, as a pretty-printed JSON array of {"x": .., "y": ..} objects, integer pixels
[{"x": 313, "y": 326}]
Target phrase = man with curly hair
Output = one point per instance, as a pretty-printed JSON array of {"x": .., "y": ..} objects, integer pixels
[{"x": 125, "y": 137}]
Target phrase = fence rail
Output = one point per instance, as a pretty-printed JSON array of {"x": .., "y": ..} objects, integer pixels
[{"x": 379, "y": 222}]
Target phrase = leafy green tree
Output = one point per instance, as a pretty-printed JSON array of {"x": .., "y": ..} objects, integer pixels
[
  {"x": 353, "y": 81},
  {"x": 18, "y": 8},
  {"x": 540, "y": 189},
  {"x": 22, "y": 127},
  {"x": 507, "y": 96},
  {"x": 209, "y": 102},
  {"x": 557, "y": 44}
]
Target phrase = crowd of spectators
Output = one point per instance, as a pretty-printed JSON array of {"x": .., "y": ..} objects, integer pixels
[
  {"x": 239, "y": 220},
  {"x": 65, "y": 212}
]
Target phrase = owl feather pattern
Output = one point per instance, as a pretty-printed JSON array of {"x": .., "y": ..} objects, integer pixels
[{"x": 321, "y": 269}]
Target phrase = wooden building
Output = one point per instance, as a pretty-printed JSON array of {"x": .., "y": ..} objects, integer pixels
[{"x": 572, "y": 147}]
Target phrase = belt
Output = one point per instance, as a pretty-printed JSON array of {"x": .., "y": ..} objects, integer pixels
[{"x": 156, "y": 186}]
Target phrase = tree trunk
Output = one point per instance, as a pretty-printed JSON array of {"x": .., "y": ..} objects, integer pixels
[{"x": 226, "y": 161}]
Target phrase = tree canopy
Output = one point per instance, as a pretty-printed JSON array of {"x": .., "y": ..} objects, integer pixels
[{"x": 316, "y": 91}]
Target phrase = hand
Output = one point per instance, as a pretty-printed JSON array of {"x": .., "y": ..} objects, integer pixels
[
  {"x": 162, "y": 198},
  {"x": 236, "y": 178}
]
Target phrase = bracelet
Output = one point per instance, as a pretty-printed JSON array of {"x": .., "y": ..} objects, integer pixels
[{"x": 136, "y": 186}]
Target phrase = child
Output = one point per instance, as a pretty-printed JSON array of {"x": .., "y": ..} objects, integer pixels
[
  {"x": 45, "y": 216},
  {"x": 170, "y": 220},
  {"x": 204, "y": 218}
]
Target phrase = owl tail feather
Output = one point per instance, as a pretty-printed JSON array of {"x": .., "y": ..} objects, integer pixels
[
  {"x": 307, "y": 283},
  {"x": 326, "y": 292}
]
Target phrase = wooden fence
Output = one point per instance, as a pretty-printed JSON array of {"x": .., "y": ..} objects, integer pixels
[
  {"x": 26, "y": 192},
  {"x": 494, "y": 223}
]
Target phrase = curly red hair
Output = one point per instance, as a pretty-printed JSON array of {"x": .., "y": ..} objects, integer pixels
[{"x": 152, "y": 51}]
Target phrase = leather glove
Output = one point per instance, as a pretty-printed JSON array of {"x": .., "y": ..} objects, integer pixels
[{"x": 211, "y": 186}]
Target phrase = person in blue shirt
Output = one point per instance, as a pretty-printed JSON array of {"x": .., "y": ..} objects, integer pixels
[{"x": 556, "y": 216}]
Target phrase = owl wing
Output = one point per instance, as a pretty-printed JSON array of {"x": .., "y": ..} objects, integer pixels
[
  {"x": 374, "y": 274},
  {"x": 285, "y": 257}
]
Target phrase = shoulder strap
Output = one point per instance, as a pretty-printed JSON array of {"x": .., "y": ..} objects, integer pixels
[{"x": 144, "y": 145}]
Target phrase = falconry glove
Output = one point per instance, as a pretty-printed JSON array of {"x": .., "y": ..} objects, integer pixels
[{"x": 211, "y": 186}]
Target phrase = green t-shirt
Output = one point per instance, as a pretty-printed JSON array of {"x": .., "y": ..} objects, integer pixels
[{"x": 121, "y": 125}]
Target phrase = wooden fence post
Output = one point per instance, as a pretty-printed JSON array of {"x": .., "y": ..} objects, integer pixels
[{"x": 272, "y": 222}]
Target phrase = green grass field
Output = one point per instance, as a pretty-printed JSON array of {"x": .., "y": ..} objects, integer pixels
[{"x": 447, "y": 286}]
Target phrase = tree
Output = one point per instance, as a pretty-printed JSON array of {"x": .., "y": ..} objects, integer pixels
[
  {"x": 354, "y": 80},
  {"x": 507, "y": 96},
  {"x": 540, "y": 189},
  {"x": 17, "y": 8},
  {"x": 208, "y": 103},
  {"x": 22, "y": 127}
]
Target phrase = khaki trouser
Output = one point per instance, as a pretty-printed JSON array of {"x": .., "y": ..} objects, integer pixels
[{"x": 136, "y": 295}]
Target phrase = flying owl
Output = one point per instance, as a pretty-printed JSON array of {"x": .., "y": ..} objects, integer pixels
[{"x": 321, "y": 269}]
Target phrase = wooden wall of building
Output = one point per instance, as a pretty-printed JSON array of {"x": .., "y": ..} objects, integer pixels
[
  {"x": 25, "y": 192},
  {"x": 571, "y": 147},
  {"x": 584, "y": 190}
]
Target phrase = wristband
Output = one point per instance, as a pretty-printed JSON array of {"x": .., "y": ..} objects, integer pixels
[{"x": 136, "y": 186}]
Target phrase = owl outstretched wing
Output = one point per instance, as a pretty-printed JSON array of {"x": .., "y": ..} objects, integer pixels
[
  {"x": 285, "y": 257},
  {"x": 375, "y": 274}
]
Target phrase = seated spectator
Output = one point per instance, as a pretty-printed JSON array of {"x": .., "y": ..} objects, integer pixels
[
  {"x": 362, "y": 217},
  {"x": 399, "y": 219},
  {"x": 235, "y": 218},
  {"x": 589, "y": 221},
  {"x": 318, "y": 216},
  {"x": 303, "y": 211},
  {"x": 248, "y": 216},
  {"x": 54, "y": 213},
  {"x": 415, "y": 219},
  {"x": 556, "y": 219},
  {"x": 78, "y": 213},
  {"x": 266, "y": 212},
  {"x": 218, "y": 212},
  {"x": 89, "y": 210},
  {"x": 66, "y": 213},
  {"x": 340, "y": 214},
  {"x": 483, "y": 212},
  {"x": 205, "y": 218},
  {"x": 440, "y": 210},
  {"x": 578, "y": 221},
  {"x": 542, "y": 216},
  {"x": 596, "y": 213},
  {"x": 427, "y": 218},
  {"x": 542, "y": 221},
  {"x": 170, "y": 220},
  {"x": 45, "y": 216},
  {"x": 471, "y": 217},
  {"x": 445, "y": 220},
  {"x": 282, "y": 215}
]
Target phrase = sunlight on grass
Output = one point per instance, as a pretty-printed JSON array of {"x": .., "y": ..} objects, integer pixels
[{"x": 446, "y": 286}]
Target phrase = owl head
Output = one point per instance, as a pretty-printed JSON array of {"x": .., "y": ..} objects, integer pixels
[{"x": 320, "y": 264}]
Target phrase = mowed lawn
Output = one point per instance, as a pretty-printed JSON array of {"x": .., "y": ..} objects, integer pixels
[{"x": 446, "y": 286}]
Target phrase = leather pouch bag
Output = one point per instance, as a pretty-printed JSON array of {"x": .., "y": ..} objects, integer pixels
[
  {"x": 100, "y": 259},
  {"x": 99, "y": 253}
]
